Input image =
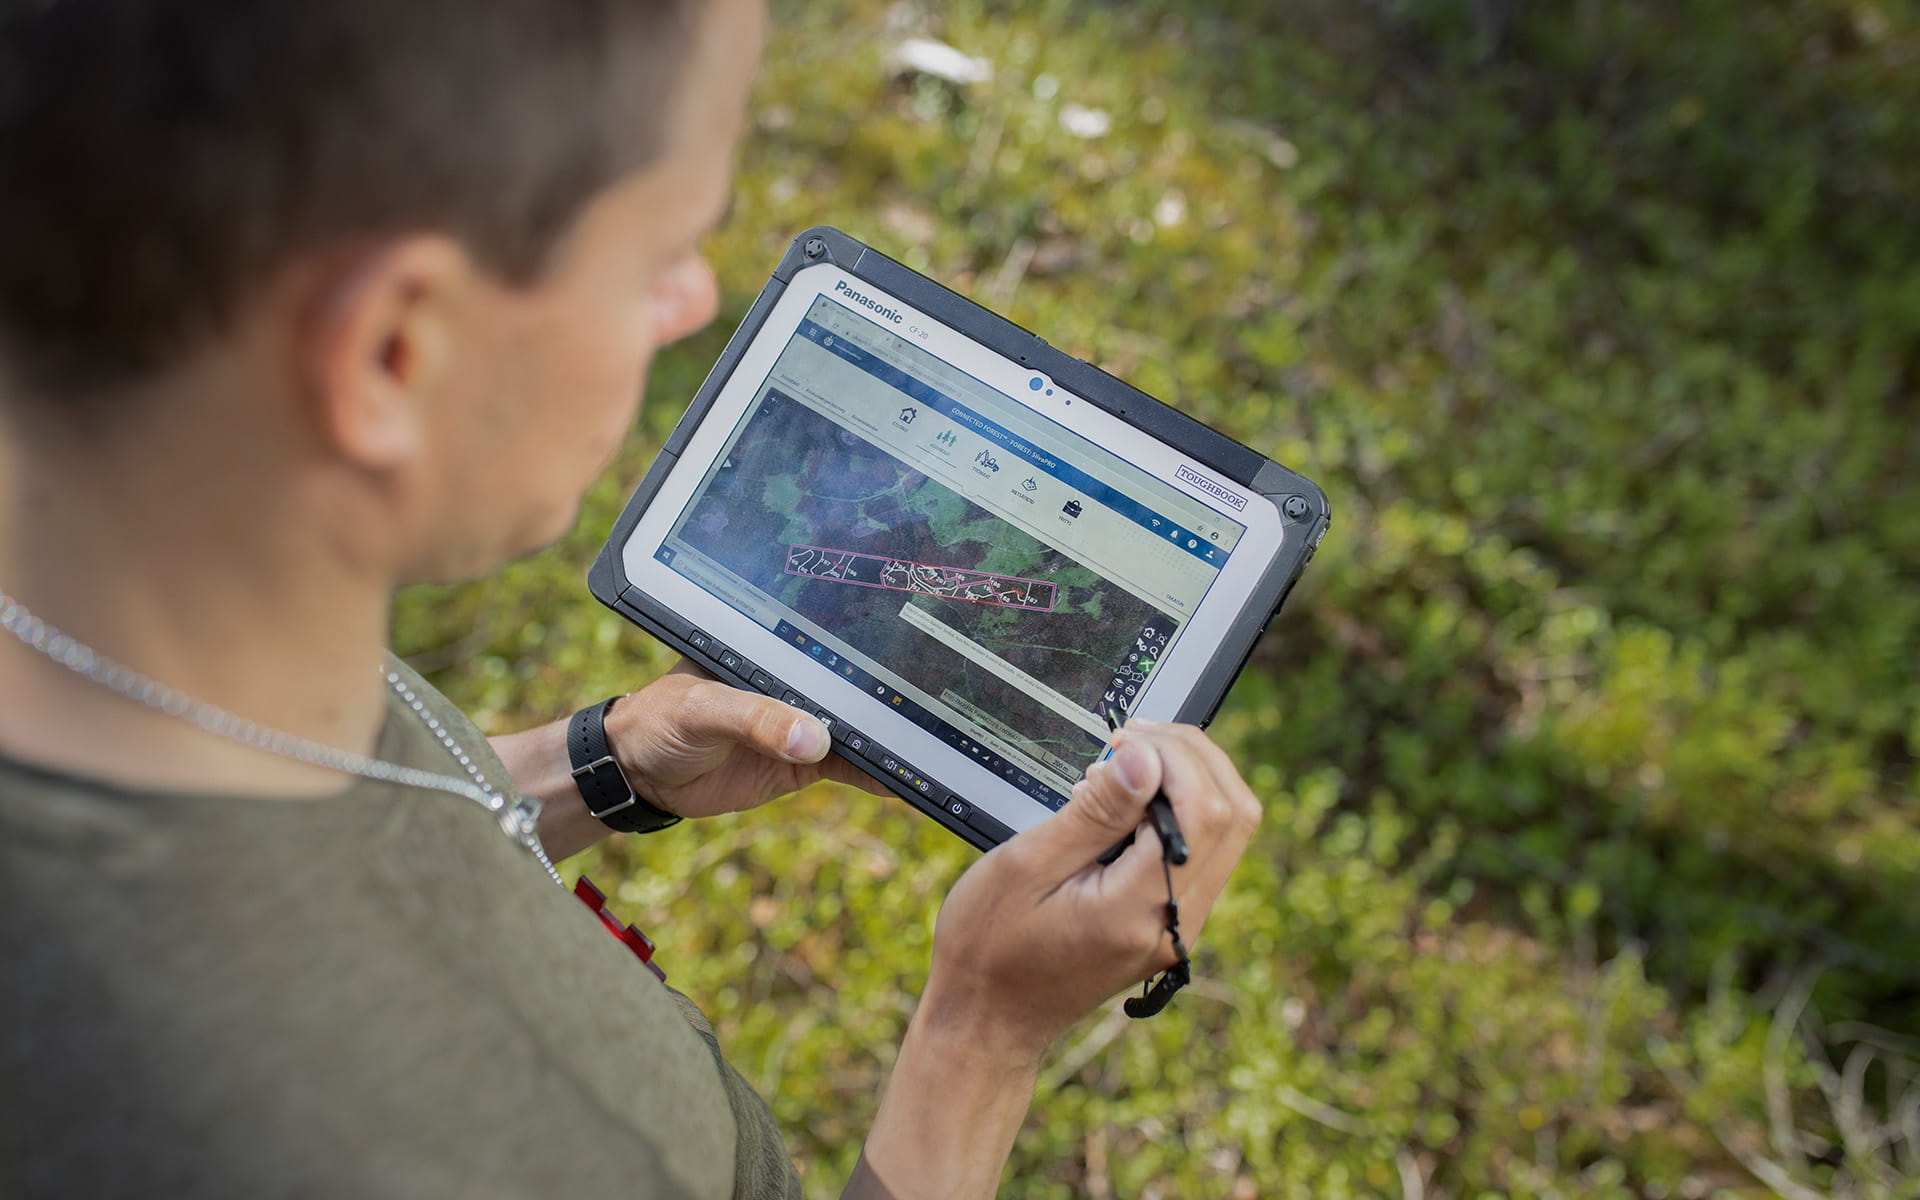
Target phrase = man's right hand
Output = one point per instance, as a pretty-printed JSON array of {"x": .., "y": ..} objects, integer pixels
[
  {"x": 1038, "y": 933},
  {"x": 1035, "y": 936}
]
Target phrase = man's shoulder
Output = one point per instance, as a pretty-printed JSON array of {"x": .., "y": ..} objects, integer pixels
[{"x": 374, "y": 992}]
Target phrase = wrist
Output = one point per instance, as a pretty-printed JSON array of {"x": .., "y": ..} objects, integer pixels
[
  {"x": 536, "y": 759},
  {"x": 626, "y": 735},
  {"x": 960, "y": 1020},
  {"x": 953, "y": 1105},
  {"x": 602, "y": 774}
]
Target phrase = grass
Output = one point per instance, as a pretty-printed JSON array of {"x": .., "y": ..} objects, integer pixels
[{"x": 1589, "y": 740}]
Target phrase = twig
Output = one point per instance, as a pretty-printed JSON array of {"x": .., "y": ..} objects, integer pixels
[
  {"x": 1412, "y": 1186},
  {"x": 1765, "y": 1170},
  {"x": 1874, "y": 1035},
  {"x": 1849, "y": 1105},
  {"x": 1773, "y": 1066},
  {"x": 1325, "y": 1114},
  {"x": 1013, "y": 269},
  {"x": 1085, "y": 1050},
  {"x": 1906, "y": 1117}
]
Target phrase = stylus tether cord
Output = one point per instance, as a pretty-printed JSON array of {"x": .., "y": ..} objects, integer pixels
[{"x": 1156, "y": 994}]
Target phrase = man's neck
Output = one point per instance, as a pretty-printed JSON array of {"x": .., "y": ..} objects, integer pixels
[{"x": 195, "y": 582}]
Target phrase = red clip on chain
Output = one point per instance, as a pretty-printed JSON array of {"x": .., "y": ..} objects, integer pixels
[{"x": 639, "y": 943}]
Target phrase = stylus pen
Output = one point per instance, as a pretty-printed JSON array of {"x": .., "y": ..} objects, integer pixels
[{"x": 1159, "y": 809}]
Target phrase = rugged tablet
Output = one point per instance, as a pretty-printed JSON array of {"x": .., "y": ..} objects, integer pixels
[{"x": 953, "y": 542}]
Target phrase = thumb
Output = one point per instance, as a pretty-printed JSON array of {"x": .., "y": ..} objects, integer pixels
[
  {"x": 714, "y": 715},
  {"x": 1107, "y": 805}
]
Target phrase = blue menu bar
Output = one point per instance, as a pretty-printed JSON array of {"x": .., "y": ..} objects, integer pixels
[{"x": 923, "y": 393}]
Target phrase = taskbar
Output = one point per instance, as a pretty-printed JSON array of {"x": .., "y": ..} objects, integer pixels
[{"x": 989, "y": 759}]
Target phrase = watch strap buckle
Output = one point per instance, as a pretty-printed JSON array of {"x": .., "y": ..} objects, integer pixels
[
  {"x": 590, "y": 769},
  {"x": 590, "y": 755}
]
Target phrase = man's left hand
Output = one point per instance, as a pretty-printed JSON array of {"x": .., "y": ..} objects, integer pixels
[
  {"x": 696, "y": 747},
  {"x": 688, "y": 744}
]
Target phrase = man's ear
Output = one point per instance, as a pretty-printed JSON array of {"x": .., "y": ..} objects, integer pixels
[{"x": 378, "y": 345}]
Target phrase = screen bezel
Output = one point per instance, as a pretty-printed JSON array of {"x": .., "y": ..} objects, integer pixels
[{"x": 1203, "y": 635}]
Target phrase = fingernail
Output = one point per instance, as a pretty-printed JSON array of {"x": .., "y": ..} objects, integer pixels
[
  {"x": 807, "y": 740},
  {"x": 1129, "y": 762}
]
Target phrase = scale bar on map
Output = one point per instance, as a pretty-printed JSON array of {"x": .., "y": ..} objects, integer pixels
[{"x": 900, "y": 575}]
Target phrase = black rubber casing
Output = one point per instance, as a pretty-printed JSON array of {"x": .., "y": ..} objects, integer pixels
[{"x": 1300, "y": 501}]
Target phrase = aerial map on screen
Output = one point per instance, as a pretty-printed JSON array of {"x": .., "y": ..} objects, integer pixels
[{"x": 912, "y": 574}]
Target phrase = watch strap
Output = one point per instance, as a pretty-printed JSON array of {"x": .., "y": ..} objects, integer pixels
[{"x": 603, "y": 785}]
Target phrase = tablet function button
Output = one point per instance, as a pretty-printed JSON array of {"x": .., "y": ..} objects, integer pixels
[
  {"x": 959, "y": 808},
  {"x": 854, "y": 740},
  {"x": 763, "y": 682},
  {"x": 701, "y": 641},
  {"x": 734, "y": 661},
  {"x": 793, "y": 699}
]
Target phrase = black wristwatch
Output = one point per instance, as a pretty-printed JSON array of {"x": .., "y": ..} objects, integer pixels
[{"x": 601, "y": 782}]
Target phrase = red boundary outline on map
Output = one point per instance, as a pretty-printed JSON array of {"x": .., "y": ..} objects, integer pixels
[{"x": 1052, "y": 589}]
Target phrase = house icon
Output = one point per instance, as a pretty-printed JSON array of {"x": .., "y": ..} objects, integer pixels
[{"x": 907, "y": 415}]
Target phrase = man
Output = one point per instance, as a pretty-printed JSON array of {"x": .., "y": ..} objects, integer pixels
[{"x": 300, "y": 303}]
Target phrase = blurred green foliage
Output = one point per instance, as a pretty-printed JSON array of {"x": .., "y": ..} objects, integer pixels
[{"x": 1592, "y": 865}]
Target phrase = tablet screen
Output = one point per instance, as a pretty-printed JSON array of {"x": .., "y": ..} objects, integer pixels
[{"x": 988, "y": 573}]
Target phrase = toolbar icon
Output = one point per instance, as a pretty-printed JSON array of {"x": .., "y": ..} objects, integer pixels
[
  {"x": 908, "y": 414},
  {"x": 986, "y": 460},
  {"x": 1072, "y": 508},
  {"x": 1030, "y": 484},
  {"x": 945, "y": 437}
]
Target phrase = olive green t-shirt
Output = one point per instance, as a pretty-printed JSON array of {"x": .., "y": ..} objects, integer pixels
[{"x": 375, "y": 994}]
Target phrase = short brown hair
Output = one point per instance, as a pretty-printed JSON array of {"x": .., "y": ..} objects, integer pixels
[{"x": 160, "y": 158}]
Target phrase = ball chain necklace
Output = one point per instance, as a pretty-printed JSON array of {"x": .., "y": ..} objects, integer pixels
[{"x": 516, "y": 817}]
